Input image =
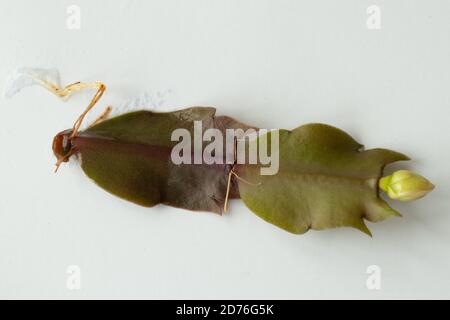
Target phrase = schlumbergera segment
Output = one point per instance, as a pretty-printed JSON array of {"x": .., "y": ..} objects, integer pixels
[
  {"x": 130, "y": 156},
  {"x": 322, "y": 179},
  {"x": 325, "y": 180}
]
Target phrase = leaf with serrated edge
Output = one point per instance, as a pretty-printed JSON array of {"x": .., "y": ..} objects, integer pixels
[{"x": 324, "y": 181}]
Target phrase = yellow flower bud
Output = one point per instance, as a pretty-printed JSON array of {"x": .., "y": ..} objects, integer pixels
[{"x": 404, "y": 185}]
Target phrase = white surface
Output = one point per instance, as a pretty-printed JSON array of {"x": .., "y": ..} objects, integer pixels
[{"x": 271, "y": 63}]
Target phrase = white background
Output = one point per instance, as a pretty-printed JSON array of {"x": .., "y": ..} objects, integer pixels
[{"x": 269, "y": 63}]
